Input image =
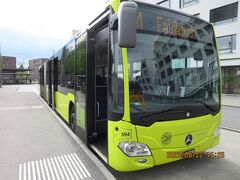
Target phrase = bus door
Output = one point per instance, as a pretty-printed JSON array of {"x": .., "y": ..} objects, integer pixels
[
  {"x": 98, "y": 63},
  {"x": 50, "y": 83},
  {"x": 54, "y": 76},
  {"x": 41, "y": 80},
  {"x": 81, "y": 88},
  {"x": 45, "y": 80}
]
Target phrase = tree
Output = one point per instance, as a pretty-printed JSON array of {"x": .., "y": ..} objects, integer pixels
[
  {"x": 21, "y": 67},
  {"x": 20, "y": 76}
]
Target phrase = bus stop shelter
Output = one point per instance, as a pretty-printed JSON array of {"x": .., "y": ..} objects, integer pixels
[{"x": 16, "y": 76}]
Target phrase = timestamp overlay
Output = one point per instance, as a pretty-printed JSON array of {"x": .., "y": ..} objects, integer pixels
[{"x": 196, "y": 155}]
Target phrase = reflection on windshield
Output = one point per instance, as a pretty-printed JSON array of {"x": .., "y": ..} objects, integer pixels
[{"x": 167, "y": 72}]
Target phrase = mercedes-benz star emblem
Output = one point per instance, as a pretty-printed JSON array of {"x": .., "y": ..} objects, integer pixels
[{"x": 188, "y": 139}]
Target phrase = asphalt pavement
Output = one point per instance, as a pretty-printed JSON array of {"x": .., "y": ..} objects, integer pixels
[
  {"x": 231, "y": 100},
  {"x": 231, "y": 117},
  {"x": 35, "y": 145}
]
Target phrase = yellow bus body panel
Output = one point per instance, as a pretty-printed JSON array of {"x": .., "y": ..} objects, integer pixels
[{"x": 62, "y": 104}]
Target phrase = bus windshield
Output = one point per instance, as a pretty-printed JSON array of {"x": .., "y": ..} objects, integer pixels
[{"x": 174, "y": 66}]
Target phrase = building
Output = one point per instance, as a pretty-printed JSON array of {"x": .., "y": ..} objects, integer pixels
[
  {"x": 9, "y": 65},
  {"x": 34, "y": 66},
  {"x": 224, "y": 15},
  {"x": 12, "y": 75},
  {"x": 9, "y": 62}
]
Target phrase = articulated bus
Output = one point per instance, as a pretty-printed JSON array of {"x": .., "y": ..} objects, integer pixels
[{"x": 141, "y": 82}]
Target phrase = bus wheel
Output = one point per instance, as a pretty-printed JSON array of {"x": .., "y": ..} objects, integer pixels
[{"x": 72, "y": 122}]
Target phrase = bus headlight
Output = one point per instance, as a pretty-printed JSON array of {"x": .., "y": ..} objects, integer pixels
[
  {"x": 217, "y": 131},
  {"x": 134, "y": 149}
]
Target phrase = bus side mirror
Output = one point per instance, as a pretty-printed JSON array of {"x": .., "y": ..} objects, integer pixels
[{"x": 127, "y": 16}]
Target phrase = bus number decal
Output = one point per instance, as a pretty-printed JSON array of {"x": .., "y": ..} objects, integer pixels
[{"x": 126, "y": 134}]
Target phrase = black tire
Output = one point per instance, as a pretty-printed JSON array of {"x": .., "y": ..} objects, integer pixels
[{"x": 72, "y": 121}]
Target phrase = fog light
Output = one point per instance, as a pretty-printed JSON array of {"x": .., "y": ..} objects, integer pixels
[
  {"x": 143, "y": 160},
  {"x": 134, "y": 149}
]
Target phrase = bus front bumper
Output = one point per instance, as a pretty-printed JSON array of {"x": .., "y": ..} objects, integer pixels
[{"x": 160, "y": 156}]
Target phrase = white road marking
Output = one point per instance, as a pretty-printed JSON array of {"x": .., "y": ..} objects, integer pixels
[
  {"x": 19, "y": 107},
  {"x": 63, "y": 167},
  {"x": 46, "y": 168},
  {"x": 55, "y": 169},
  {"x": 51, "y": 171},
  {"x": 20, "y": 172},
  {"x": 38, "y": 171},
  {"x": 81, "y": 169},
  {"x": 43, "y": 173},
  {"x": 7, "y": 108},
  {"x": 71, "y": 167},
  {"x": 4, "y": 108},
  {"x": 58, "y": 167},
  {"x": 24, "y": 171},
  {"x": 82, "y": 165},
  {"x": 29, "y": 171},
  {"x": 33, "y": 171},
  {"x": 68, "y": 170},
  {"x": 36, "y": 107},
  {"x": 74, "y": 165}
]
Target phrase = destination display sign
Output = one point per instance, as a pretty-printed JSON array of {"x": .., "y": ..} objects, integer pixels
[{"x": 169, "y": 23}]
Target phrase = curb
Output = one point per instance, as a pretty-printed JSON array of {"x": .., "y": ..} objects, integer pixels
[
  {"x": 231, "y": 106},
  {"x": 230, "y": 129},
  {"x": 98, "y": 163}
]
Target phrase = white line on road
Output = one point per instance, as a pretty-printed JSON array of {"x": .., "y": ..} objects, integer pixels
[
  {"x": 4, "y": 108},
  {"x": 46, "y": 168},
  {"x": 38, "y": 171},
  {"x": 20, "y": 172},
  {"x": 29, "y": 171},
  {"x": 71, "y": 167},
  {"x": 43, "y": 173},
  {"x": 24, "y": 171},
  {"x": 51, "y": 171},
  {"x": 58, "y": 167},
  {"x": 7, "y": 108},
  {"x": 82, "y": 165},
  {"x": 19, "y": 107},
  {"x": 63, "y": 167},
  {"x": 74, "y": 165},
  {"x": 55, "y": 169},
  {"x": 68, "y": 170},
  {"x": 81, "y": 169},
  {"x": 33, "y": 171},
  {"x": 36, "y": 107}
]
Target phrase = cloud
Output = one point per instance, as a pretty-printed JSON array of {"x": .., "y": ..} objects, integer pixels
[
  {"x": 25, "y": 46},
  {"x": 34, "y": 28},
  {"x": 52, "y": 18}
]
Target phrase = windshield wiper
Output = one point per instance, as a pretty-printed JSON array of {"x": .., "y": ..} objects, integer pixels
[
  {"x": 181, "y": 109},
  {"x": 206, "y": 105}
]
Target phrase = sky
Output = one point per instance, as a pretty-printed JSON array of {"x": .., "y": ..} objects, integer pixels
[{"x": 35, "y": 28}]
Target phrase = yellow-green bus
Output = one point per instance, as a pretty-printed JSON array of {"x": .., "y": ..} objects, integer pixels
[{"x": 141, "y": 82}]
